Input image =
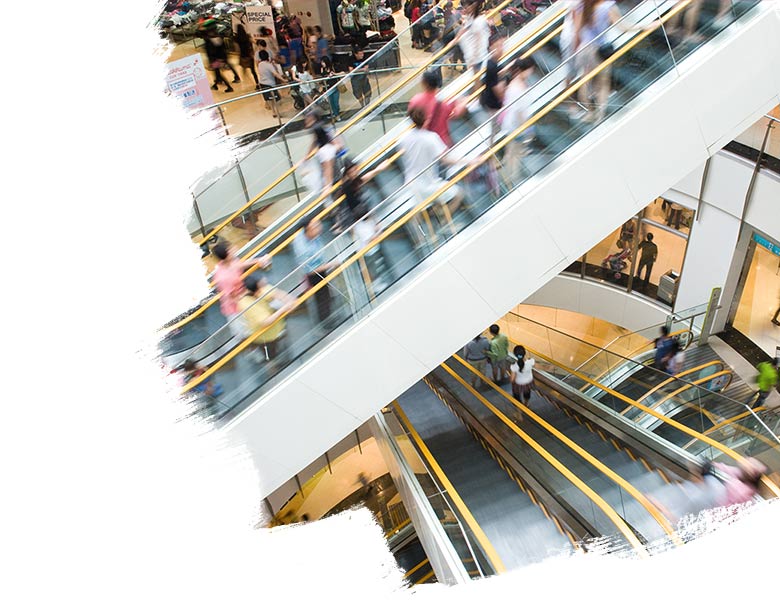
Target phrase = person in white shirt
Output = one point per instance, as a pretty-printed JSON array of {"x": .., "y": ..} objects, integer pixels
[
  {"x": 516, "y": 112},
  {"x": 521, "y": 376},
  {"x": 302, "y": 74},
  {"x": 420, "y": 149},
  {"x": 269, "y": 76},
  {"x": 474, "y": 35}
]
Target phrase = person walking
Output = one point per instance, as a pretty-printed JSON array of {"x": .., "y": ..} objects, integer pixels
[
  {"x": 775, "y": 321},
  {"x": 516, "y": 112},
  {"x": 498, "y": 354},
  {"x": 227, "y": 279},
  {"x": 474, "y": 36},
  {"x": 264, "y": 307},
  {"x": 308, "y": 246},
  {"x": 648, "y": 253},
  {"x": 216, "y": 52},
  {"x": 664, "y": 345},
  {"x": 676, "y": 360},
  {"x": 346, "y": 15},
  {"x": 475, "y": 354},
  {"x": 766, "y": 380},
  {"x": 521, "y": 376},
  {"x": 302, "y": 74},
  {"x": 437, "y": 112},
  {"x": 246, "y": 52},
  {"x": 419, "y": 149},
  {"x": 295, "y": 40}
]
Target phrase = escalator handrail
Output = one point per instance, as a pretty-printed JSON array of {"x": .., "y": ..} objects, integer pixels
[
  {"x": 726, "y": 422},
  {"x": 679, "y": 426},
  {"x": 672, "y": 379},
  {"x": 355, "y": 119},
  {"x": 687, "y": 386},
  {"x": 630, "y": 489},
  {"x": 254, "y": 247},
  {"x": 420, "y": 207},
  {"x": 479, "y": 534},
  {"x": 589, "y": 492}
]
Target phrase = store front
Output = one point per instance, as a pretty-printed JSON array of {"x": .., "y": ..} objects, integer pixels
[
  {"x": 645, "y": 255},
  {"x": 755, "y": 311}
]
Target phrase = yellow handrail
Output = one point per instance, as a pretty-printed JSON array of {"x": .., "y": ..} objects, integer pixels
[
  {"x": 673, "y": 379},
  {"x": 430, "y": 199},
  {"x": 679, "y": 426},
  {"x": 610, "y": 512},
  {"x": 725, "y": 422},
  {"x": 318, "y": 199},
  {"x": 357, "y": 117},
  {"x": 688, "y": 386},
  {"x": 592, "y": 460},
  {"x": 483, "y": 540}
]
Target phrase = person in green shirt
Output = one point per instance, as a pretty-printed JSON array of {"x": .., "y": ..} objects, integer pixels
[
  {"x": 498, "y": 355},
  {"x": 766, "y": 379}
]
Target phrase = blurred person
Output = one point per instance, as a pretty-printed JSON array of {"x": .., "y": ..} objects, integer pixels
[
  {"x": 302, "y": 74},
  {"x": 295, "y": 41},
  {"x": 308, "y": 246},
  {"x": 261, "y": 46},
  {"x": 766, "y": 380},
  {"x": 415, "y": 9},
  {"x": 516, "y": 112},
  {"x": 264, "y": 306},
  {"x": 365, "y": 230},
  {"x": 743, "y": 480},
  {"x": 664, "y": 345},
  {"x": 521, "y": 376},
  {"x": 269, "y": 38},
  {"x": 227, "y": 278},
  {"x": 419, "y": 149},
  {"x": 437, "y": 112},
  {"x": 216, "y": 52},
  {"x": 352, "y": 183},
  {"x": 361, "y": 87},
  {"x": 474, "y": 36},
  {"x": 283, "y": 57},
  {"x": 492, "y": 97},
  {"x": 498, "y": 355},
  {"x": 332, "y": 83},
  {"x": 246, "y": 52},
  {"x": 775, "y": 321},
  {"x": 207, "y": 387},
  {"x": 591, "y": 19},
  {"x": 475, "y": 354},
  {"x": 676, "y": 359},
  {"x": 648, "y": 253},
  {"x": 270, "y": 76}
]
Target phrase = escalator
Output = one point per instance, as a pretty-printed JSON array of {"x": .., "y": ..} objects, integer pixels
[
  {"x": 461, "y": 270},
  {"x": 679, "y": 414}
]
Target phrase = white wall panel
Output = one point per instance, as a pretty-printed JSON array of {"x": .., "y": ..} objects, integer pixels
[{"x": 460, "y": 289}]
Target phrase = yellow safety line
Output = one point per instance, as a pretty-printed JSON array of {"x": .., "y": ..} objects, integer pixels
[
  {"x": 416, "y": 567},
  {"x": 398, "y": 527},
  {"x": 672, "y": 379},
  {"x": 610, "y": 512},
  {"x": 428, "y": 201},
  {"x": 479, "y": 534},
  {"x": 425, "y": 577},
  {"x": 592, "y": 460},
  {"x": 315, "y": 201},
  {"x": 684, "y": 428},
  {"x": 688, "y": 386}
]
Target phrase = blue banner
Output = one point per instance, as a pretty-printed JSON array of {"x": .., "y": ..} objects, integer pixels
[{"x": 771, "y": 246}]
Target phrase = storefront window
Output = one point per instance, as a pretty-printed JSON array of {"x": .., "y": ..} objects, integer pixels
[
  {"x": 610, "y": 260},
  {"x": 758, "y": 312}
]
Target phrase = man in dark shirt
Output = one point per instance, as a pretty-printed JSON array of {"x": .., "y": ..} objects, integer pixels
[
  {"x": 648, "y": 252},
  {"x": 492, "y": 97},
  {"x": 361, "y": 87}
]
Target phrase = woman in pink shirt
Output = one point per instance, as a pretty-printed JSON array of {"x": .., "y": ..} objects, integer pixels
[{"x": 230, "y": 285}]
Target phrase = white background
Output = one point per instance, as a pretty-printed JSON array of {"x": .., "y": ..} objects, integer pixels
[{"x": 105, "y": 493}]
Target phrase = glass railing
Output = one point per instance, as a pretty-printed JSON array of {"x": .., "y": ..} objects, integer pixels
[
  {"x": 531, "y": 42},
  {"x": 270, "y": 173},
  {"x": 468, "y": 539},
  {"x": 570, "y": 474},
  {"x": 414, "y": 225},
  {"x": 687, "y": 414}
]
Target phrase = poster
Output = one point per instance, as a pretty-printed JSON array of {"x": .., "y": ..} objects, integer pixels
[
  {"x": 187, "y": 80},
  {"x": 257, "y": 17}
]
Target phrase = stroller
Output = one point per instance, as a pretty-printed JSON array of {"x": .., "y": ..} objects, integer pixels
[{"x": 615, "y": 263}]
